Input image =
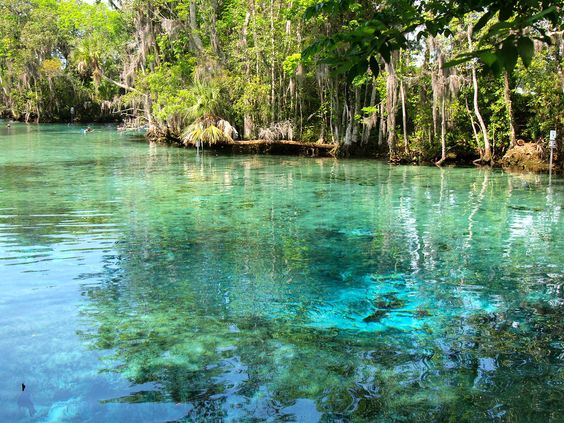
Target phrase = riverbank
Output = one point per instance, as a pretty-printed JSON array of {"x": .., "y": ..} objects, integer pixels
[
  {"x": 277, "y": 148},
  {"x": 529, "y": 157},
  {"x": 524, "y": 157}
]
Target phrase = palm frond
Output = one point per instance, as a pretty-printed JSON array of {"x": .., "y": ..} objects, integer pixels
[{"x": 207, "y": 131}]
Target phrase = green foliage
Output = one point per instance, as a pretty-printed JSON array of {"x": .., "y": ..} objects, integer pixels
[
  {"x": 539, "y": 96},
  {"x": 388, "y": 27},
  {"x": 291, "y": 63},
  {"x": 208, "y": 131},
  {"x": 173, "y": 64},
  {"x": 58, "y": 50}
]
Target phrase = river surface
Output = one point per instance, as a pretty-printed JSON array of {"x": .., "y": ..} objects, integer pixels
[{"x": 144, "y": 283}]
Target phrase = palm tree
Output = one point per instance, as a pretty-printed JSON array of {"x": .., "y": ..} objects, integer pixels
[
  {"x": 210, "y": 130},
  {"x": 207, "y": 126},
  {"x": 88, "y": 58}
]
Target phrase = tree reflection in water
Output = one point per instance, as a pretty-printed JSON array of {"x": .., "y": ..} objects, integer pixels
[{"x": 252, "y": 300}]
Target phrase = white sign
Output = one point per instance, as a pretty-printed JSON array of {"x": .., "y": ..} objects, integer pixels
[{"x": 552, "y": 139}]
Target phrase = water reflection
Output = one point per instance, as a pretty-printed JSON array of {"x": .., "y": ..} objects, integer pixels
[
  {"x": 267, "y": 288},
  {"x": 382, "y": 293}
]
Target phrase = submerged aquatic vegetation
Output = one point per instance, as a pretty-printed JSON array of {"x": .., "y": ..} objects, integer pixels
[{"x": 151, "y": 292}]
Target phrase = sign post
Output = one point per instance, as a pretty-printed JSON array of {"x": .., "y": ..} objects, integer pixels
[{"x": 552, "y": 147}]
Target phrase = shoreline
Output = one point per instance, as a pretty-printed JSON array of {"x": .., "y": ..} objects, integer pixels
[
  {"x": 319, "y": 150},
  {"x": 323, "y": 150}
]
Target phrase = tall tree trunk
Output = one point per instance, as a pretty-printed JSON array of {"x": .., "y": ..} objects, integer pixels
[
  {"x": 404, "y": 117},
  {"x": 272, "y": 64},
  {"x": 300, "y": 84},
  {"x": 213, "y": 28},
  {"x": 509, "y": 105},
  {"x": 194, "y": 28},
  {"x": 247, "y": 119},
  {"x": 248, "y": 127},
  {"x": 321, "y": 89},
  {"x": 255, "y": 39},
  {"x": 487, "y": 147},
  {"x": 391, "y": 106},
  {"x": 443, "y": 132},
  {"x": 356, "y": 112},
  {"x": 372, "y": 118},
  {"x": 244, "y": 43},
  {"x": 434, "y": 84},
  {"x": 474, "y": 131},
  {"x": 382, "y": 126}
]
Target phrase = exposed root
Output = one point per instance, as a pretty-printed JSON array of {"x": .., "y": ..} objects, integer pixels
[{"x": 527, "y": 156}]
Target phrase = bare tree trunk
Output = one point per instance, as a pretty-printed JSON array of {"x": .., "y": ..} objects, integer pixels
[
  {"x": 434, "y": 85},
  {"x": 337, "y": 124},
  {"x": 346, "y": 121},
  {"x": 391, "y": 106},
  {"x": 255, "y": 39},
  {"x": 372, "y": 119},
  {"x": 244, "y": 42},
  {"x": 248, "y": 127},
  {"x": 194, "y": 29},
  {"x": 487, "y": 148},
  {"x": 382, "y": 126},
  {"x": 213, "y": 28},
  {"x": 476, "y": 135},
  {"x": 334, "y": 139},
  {"x": 443, "y": 133},
  {"x": 272, "y": 64},
  {"x": 509, "y": 105},
  {"x": 404, "y": 117},
  {"x": 247, "y": 119},
  {"x": 356, "y": 111},
  {"x": 321, "y": 88},
  {"x": 300, "y": 84}
]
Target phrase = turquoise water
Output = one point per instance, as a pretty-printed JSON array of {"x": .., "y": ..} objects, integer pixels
[{"x": 145, "y": 283}]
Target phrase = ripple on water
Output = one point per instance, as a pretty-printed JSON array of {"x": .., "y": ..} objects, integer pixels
[{"x": 167, "y": 286}]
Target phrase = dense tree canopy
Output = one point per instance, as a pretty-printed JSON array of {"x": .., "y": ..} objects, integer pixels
[
  {"x": 510, "y": 27},
  {"x": 424, "y": 79}
]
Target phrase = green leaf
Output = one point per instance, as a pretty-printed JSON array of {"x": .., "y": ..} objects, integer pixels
[
  {"x": 526, "y": 49},
  {"x": 505, "y": 12},
  {"x": 488, "y": 58},
  {"x": 542, "y": 15},
  {"x": 343, "y": 68},
  {"x": 483, "y": 21},
  {"x": 508, "y": 54},
  {"x": 374, "y": 67},
  {"x": 385, "y": 52},
  {"x": 357, "y": 70},
  {"x": 456, "y": 61},
  {"x": 498, "y": 27},
  {"x": 363, "y": 31},
  {"x": 496, "y": 67},
  {"x": 377, "y": 24}
]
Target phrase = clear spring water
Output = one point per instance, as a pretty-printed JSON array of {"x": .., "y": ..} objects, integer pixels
[{"x": 145, "y": 283}]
